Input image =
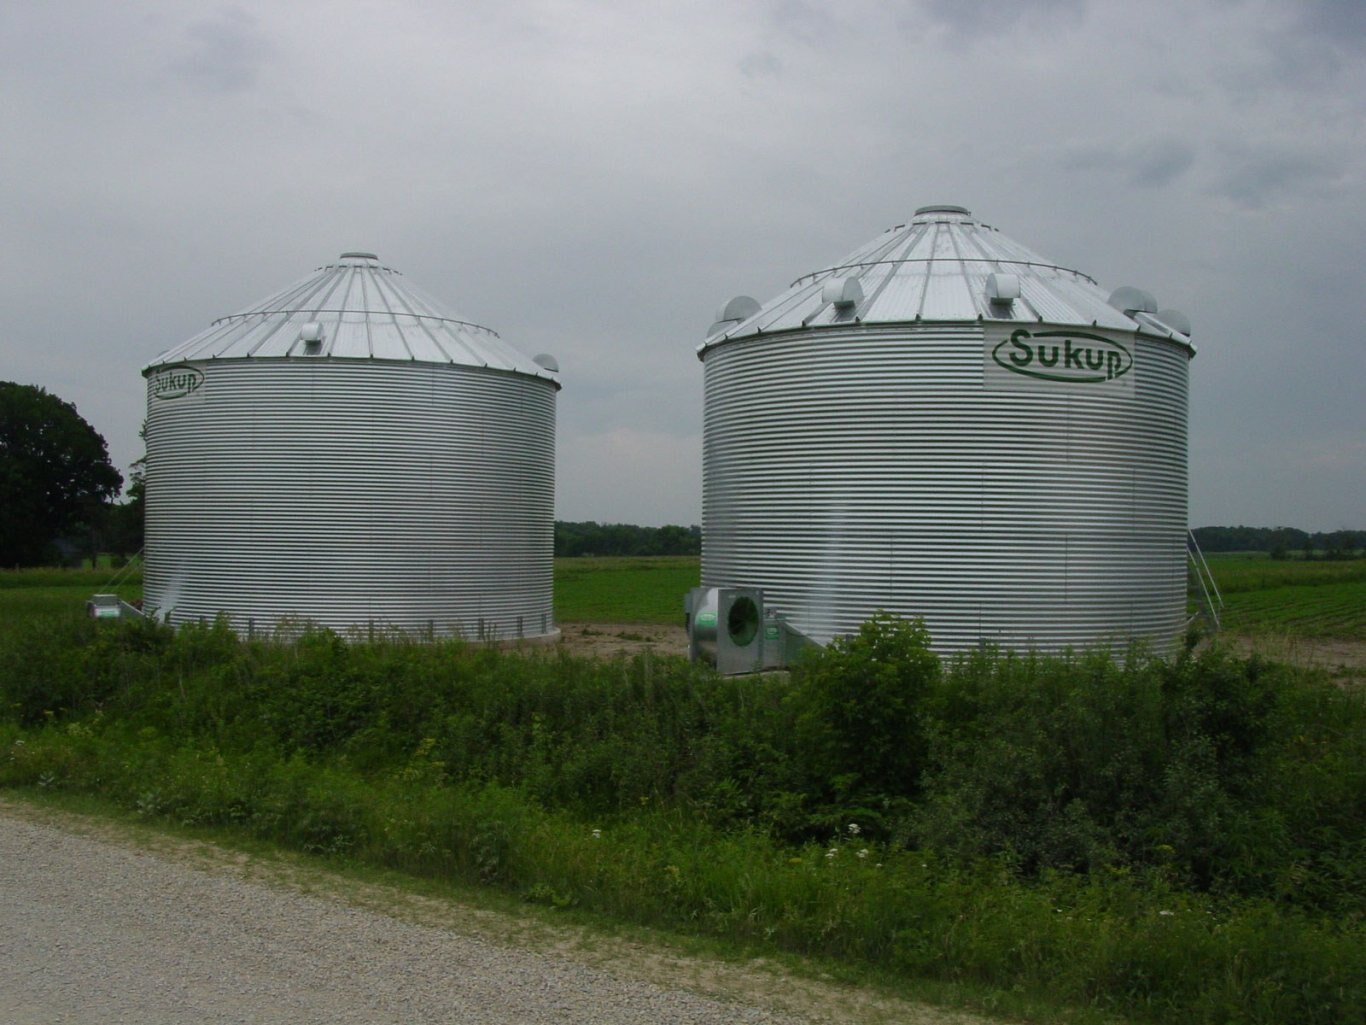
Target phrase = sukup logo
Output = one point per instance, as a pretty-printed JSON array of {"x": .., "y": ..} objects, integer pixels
[
  {"x": 1073, "y": 357},
  {"x": 176, "y": 382}
]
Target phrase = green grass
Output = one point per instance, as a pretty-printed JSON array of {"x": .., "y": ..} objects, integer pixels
[
  {"x": 1236, "y": 572},
  {"x": 86, "y": 579},
  {"x": 624, "y": 590},
  {"x": 646, "y": 589},
  {"x": 59, "y": 594}
]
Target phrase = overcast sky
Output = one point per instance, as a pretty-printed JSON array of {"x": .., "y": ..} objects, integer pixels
[{"x": 593, "y": 180}]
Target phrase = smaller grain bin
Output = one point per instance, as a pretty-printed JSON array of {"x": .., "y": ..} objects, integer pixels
[
  {"x": 350, "y": 454},
  {"x": 945, "y": 424}
]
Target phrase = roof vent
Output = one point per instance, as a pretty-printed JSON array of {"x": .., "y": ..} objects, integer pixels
[
  {"x": 547, "y": 362},
  {"x": 961, "y": 211},
  {"x": 358, "y": 256},
  {"x": 842, "y": 293},
  {"x": 1003, "y": 289},
  {"x": 1132, "y": 300},
  {"x": 311, "y": 334},
  {"x": 741, "y": 308},
  {"x": 1176, "y": 320}
]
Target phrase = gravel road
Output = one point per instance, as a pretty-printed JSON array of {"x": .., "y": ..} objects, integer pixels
[{"x": 99, "y": 927}]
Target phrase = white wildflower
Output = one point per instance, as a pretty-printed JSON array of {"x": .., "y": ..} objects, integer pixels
[
  {"x": 863, "y": 853},
  {"x": 597, "y": 834},
  {"x": 832, "y": 852},
  {"x": 854, "y": 829}
]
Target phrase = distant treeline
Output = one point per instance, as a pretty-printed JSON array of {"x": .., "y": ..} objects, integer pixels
[
  {"x": 1283, "y": 542},
  {"x": 625, "y": 539},
  {"x": 590, "y": 538}
]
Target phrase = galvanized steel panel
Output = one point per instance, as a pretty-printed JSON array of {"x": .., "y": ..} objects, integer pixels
[{"x": 414, "y": 496}]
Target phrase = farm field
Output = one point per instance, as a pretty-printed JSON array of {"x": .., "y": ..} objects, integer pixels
[
  {"x": 647, "y": 589},
  {"x": 61, "y": 593},
  {"x": 1242, "y": 572},
  {"x": 1306, "y": 613},
  {"x": 1302, "y": 610}
]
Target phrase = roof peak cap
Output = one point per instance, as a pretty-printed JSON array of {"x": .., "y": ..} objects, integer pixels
[{"x": 943, "y": 212}]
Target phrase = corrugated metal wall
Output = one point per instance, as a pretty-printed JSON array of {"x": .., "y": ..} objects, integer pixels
[
  {"x": 867, "y": 468},
  {"x": 413, "y": 496}
]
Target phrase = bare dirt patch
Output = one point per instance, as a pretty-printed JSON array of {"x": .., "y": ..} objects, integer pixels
[
  {"x": 610, "y": 640},
  {"x": 1343, "y": 660}
]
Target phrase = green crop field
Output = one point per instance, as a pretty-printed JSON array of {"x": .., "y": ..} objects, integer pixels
[
  {"x": 624, "y": 590},
  {"x": 1321, "y": 600}
]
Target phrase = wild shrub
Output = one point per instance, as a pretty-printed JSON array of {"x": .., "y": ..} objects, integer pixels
[
  {"x": 1041, "y": 760},
  {"x": 1238, "y": 777},
  {"x": 859, "y": 721}
]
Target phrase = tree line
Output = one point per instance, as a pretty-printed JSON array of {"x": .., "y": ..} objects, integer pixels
[
  {"x": 1283, "y": 542},
  {"x": 590, "y": 538}
]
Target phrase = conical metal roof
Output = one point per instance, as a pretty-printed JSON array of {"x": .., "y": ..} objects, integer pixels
[
  {"x": 944, "y": 265},
  {"x": 355, "y": 308}
]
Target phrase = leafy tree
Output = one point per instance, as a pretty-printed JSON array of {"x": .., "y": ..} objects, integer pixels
[
  {"x": 55, "y": 474},
  {"x": 128, "y": 519}
]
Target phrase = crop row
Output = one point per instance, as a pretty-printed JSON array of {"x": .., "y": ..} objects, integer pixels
[{"x": 1324, "y": 611}]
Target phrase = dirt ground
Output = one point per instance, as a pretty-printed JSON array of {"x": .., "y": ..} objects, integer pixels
[
  {"x": 1344, "y": 660},
  {"x": 608, "y": 640}
]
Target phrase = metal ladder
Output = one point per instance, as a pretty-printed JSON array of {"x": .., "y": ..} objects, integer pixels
[{"x": 1210, "y": 602}]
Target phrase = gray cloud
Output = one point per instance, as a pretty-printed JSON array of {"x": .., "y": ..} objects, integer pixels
[
  {"x": 804, "y": 21},
  {"x": 1341, "y": 22},
  {"x": 968, "y": 19},
  {"x": 1149, "y": 164},
  {"x": 1306, "y": 46},
  {"x": 760, "y": 64},
  {"x": 1255, "y": 179},
  {"x": 226, "y": 52}
]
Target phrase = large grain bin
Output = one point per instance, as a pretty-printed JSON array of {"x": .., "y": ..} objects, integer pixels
[
  {"x": 947, "y": 425},
  {"x": 349, "y": 454}
]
